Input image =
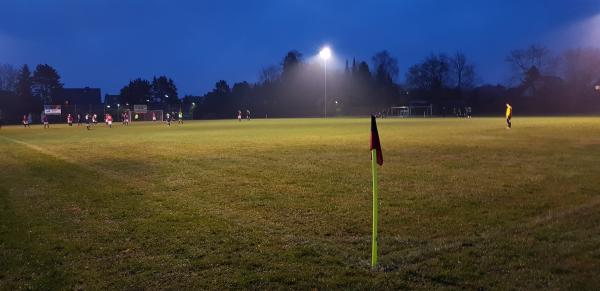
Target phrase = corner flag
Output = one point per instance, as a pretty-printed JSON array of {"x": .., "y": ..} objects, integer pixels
[
  {"x": 375, "y": 145},
  {"x": 376, "y": 158}
]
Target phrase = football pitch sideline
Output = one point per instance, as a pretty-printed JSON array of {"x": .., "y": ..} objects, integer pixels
[{"x": 286, "y": 204}]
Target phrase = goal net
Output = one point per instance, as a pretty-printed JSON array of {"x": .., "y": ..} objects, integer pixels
[
  {"x": 411, "y": 111},
  {"x": 400, "y": 111}
]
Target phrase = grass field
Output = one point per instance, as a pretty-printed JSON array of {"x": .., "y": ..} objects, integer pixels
[{"x": 280, "y": 204}]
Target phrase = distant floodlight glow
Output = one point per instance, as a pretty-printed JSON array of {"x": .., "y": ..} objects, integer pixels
[
  {"x": 325, "y": 53},
  {"x": 597, "y": 87}
]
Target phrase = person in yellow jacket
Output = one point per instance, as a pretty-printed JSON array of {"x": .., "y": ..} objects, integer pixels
[{"x": 508, "y": 116}]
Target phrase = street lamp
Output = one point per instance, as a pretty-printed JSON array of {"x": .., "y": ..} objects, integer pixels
[{"x": 325, "y": 54}]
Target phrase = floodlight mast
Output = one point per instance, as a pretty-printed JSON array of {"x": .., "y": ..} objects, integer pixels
[{"x": 325, "y": 54}]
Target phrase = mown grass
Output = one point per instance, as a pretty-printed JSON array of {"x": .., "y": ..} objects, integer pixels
[{"x": 286, "y": 203}]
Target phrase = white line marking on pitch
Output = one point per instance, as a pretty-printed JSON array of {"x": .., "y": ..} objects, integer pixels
[{"x": 44, "y": 151}]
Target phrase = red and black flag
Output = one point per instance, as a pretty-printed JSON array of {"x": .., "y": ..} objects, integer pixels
[{"x": 375, "y": 145}]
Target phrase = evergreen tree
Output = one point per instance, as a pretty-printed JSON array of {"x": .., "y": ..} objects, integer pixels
[
  {"x": 363, "y": 72},
  {"x": 138, "y": 91},
  {"x": 291, "y": 63},
  {"x": 164, "y": 90},
  {"x": 346, "y": 68},
  {"x": 386, "y": 68},
  {"x": 23, "y": 88},
  {"x": 46, "y": 83},
  {"x": 218, "y": 100}
]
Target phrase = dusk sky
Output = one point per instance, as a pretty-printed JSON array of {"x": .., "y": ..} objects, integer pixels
[{"x": 107, "y": 43}]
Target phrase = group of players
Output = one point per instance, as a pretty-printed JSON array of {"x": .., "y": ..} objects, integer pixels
[
  {"x": 170, "y": 117},
  {"x": 91, "y": 119},
  {"x": 240, "y": 117}
]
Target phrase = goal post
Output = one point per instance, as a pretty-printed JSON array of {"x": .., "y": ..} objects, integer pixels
[{"x": 150, "y": 115}]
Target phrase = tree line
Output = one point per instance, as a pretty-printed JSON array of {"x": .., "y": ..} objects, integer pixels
[
  {"x": 540, "y": 83},
  {"x": 22, "y": 91}
]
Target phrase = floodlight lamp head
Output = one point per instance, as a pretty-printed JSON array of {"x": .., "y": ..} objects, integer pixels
[{"x": 325, "y": 53}]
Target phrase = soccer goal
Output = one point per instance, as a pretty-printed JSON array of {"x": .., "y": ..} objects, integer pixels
[
  {"x": 400, "y": 111},
  {"x": 412, "y": 111},
  {"x": 421, "y": 110},
  {"x": 150, "y": 115}
]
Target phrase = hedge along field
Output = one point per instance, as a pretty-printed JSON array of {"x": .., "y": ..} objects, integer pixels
[{"x": 286, "y": 203}]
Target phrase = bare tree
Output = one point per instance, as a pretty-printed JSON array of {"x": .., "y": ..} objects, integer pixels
[
  {"x": 463, "y": 72},
  {"x": 386, "y": 67},
  {"x": 537, "y": 56},
  {"x": 269, "y": 74},
  {"x": 8, "y": 77},
  {"x": 431, "y": 74}
]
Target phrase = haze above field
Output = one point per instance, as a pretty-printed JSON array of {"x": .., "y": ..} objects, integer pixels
[{"x": 106, "y": 43}]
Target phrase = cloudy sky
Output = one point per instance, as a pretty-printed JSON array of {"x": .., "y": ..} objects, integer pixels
[{"x": 106, "y": 43}]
